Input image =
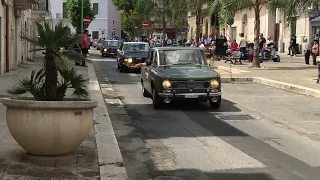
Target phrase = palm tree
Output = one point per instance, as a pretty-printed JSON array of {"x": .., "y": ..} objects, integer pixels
[
  {"x": 228, "y": 8},
  {"x": 44, "y": 84}
]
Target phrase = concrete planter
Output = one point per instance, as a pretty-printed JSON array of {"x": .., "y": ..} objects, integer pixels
[{"x": 49, "y": 127}]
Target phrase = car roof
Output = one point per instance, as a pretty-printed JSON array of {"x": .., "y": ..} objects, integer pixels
[
  {"x": 135, "y": 43},
  {"x": 176, "y": 48}
]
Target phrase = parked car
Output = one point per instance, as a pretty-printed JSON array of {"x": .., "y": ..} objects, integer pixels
[
  {"x": 173, "y": 73},
  {"x": 110, "y": 48},
  {"x": 132, "y": 53}
]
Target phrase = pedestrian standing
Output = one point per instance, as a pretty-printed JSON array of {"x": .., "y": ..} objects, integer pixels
[
  {"x": 307, "y": 51},
  {"x": 262, "y": 43},
  {"x": 315, "y": 51},
  {"x": 84, "y": 45}
]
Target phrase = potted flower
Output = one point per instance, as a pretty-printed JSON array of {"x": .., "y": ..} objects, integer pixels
[{"x": 49, "y": 123}]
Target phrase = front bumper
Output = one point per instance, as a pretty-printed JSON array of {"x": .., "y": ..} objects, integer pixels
[
  {"x": 108, "y": 53},
  {"x": 202, "y": 96}
]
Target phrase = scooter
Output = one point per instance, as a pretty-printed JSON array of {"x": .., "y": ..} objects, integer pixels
[{"x": 270, "y": 53}]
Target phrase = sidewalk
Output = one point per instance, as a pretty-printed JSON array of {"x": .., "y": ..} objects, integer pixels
[
  {"x": 86, "y": 163},
  {"x": 289, "y": 70}
]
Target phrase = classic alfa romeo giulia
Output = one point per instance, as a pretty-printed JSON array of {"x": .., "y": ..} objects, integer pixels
[{"x": 172, "y": 73}]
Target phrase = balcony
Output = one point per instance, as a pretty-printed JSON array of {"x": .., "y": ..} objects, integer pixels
[
  {"x": 42, "y": 5},
  {"x": 24, "y": 4}
]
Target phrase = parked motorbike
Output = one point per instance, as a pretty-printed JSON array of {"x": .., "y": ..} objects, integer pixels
[{"x": 270, "y": 53}]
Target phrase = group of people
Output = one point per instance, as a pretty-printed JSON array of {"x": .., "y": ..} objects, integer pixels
[{"x": 311, "y": 49}]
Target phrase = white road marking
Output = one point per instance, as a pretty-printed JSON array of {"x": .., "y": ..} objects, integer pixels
[
  {"x": 105, "y": 60},
  {"x": 133, "y": 75}
]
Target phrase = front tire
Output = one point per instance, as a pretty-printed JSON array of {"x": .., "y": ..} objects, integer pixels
[
  {"x": 215, "y": 105},
  {"x": 157, "y": 101},
  {"x": 145, "y": 93}
]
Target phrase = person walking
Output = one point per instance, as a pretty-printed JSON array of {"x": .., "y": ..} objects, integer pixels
[
  {"x": 315, "y": 51},
  {"x": 84, "y": 44}
]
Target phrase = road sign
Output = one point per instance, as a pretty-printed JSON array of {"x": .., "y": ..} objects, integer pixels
[
  {"x": 114, "y": 30},
  {"x": 86, "y": 20},
  {"x": 102, "y": 32},
  {"x": 136, "y": 27},
  {"x": 145, "y": 24}
]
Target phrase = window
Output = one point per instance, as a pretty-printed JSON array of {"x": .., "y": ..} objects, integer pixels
[
  {"x": 95, "y": 34},
  {"x": 64, "y": 9},
  {"x": 155, "y": 59},
  {"x": 95, "y": 7}
]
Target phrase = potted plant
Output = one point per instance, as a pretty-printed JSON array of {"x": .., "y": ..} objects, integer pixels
[{"x": 49, "y": 123}]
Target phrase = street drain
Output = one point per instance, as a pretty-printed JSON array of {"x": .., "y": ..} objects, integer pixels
[{"x": 235, "y": 117}]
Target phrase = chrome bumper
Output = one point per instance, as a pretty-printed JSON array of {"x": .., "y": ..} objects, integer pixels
[{"x": 190, "y": 95}]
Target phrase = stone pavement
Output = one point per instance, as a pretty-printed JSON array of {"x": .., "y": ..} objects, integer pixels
[{"x": 85, "y": 163}]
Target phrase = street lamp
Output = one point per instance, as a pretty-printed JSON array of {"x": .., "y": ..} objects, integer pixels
[{"x": 81, "y": 14}]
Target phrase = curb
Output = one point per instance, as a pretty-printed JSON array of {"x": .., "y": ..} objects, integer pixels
[
  {"x": 109, "y": 155},
  {"x": 288, "y": 87},
  {"x": 236, "y": 79}
]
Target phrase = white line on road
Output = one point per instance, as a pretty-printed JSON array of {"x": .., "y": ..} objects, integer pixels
[
  {"x": 105, "y": 60},
  {"x": 133, "y": 75}
]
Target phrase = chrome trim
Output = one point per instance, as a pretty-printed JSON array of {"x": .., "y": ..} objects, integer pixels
[{"x": 196, "y": 94}]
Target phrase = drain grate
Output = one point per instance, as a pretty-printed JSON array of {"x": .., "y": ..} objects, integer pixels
[{"x": 240, "y": 117}]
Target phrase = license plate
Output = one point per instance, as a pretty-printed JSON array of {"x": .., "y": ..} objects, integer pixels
[{"x": 191, "y": 96}]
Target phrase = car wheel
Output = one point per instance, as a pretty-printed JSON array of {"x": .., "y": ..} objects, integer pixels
[
  {"x": 157, "y": 101},
  {"x": 215, "y": 105},
  {"x": 145, "y": 93}
]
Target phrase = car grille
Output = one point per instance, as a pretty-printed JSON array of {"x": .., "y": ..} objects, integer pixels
[
  {"x": 112, "y": 50},
  {"x": 135, "y": 60},
  {"x": 190, "y": 86}
]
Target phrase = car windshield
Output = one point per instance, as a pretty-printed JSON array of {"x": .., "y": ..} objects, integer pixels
[
  {"x": 111, "y": 43},
  {"x": 136, "y": 47},
  {"x": 181, "y": 57}
]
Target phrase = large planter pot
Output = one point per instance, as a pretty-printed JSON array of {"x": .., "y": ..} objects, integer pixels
[{"x": 49, "y": 127}]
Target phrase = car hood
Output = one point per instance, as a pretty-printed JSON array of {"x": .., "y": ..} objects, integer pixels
[
  {"x": 135, "y": 54},
  {"x": 188, "y": 72}
]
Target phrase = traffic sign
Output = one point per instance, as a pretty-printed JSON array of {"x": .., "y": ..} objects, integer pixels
[
  {"x": 102, "y": 32},
  {"x": 136, "y": 27},
  {"x": 114, "y": 30},
  {"x": 86, "y": 20},
  {"x": 145, "y": 24}
]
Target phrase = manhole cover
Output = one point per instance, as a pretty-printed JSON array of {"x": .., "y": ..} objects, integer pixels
[{"x": 241, "y": 117}]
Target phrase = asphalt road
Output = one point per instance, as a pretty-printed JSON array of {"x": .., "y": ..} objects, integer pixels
[{"x": 190, "y": 141}]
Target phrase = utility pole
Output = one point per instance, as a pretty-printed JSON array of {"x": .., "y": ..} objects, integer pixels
[{"x": 82, "y": 15}]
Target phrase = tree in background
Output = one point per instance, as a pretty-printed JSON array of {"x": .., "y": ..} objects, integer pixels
[
  {"x": 74, "y": 12},
  {"x": 195, "y": 7},
  {"x": 228, "y": 8},
  {"x": 134, "y": 12}
]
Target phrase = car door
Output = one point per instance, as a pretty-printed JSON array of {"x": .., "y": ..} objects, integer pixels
[{"x": 145, "y": 71}]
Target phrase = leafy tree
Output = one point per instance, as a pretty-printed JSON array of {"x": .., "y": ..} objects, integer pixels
[
  {"x": 74, "y": 12},
  {"x": 126, "y": 6},
  {"x": 228, "y": 8},
  {"x": 44, "y": 84},
  {"x": 179, "y": 14}
]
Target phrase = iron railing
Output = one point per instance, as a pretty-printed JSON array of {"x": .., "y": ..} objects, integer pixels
[{"x": 43, "y": 5}]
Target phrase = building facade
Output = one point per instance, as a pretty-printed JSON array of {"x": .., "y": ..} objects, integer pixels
[
  {"x": 107, "y": 22},
  {"x": 15, "y": 21}
]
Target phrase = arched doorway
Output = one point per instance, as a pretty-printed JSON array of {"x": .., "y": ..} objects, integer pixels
[{"x": 244, "y": 24}]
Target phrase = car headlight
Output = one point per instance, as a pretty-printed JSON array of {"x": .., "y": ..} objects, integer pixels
[
  {"x": 214, "y": 83},
  {"x": 105, "y": 49},
  {"x": 166, "y": 84},
  {"x": 129, "y": 60},
  {"x": 118, "y": 50}
]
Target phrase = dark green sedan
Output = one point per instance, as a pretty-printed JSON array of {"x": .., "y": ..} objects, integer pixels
[{"x": 179, "y": 73}]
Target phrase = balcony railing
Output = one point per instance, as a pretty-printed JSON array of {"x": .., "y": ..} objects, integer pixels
[{"x": 43, "y": 5}]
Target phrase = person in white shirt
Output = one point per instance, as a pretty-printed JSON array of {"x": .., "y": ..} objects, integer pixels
[
  {"x": 269, "y": 41},
  {"x": 243, "y": 43}
]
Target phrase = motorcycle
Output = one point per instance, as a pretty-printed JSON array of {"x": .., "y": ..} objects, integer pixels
[{"x": 270, "y": 53}]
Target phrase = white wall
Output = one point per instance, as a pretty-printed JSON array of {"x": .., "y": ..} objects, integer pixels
[{"x": 107, "y": 13}]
